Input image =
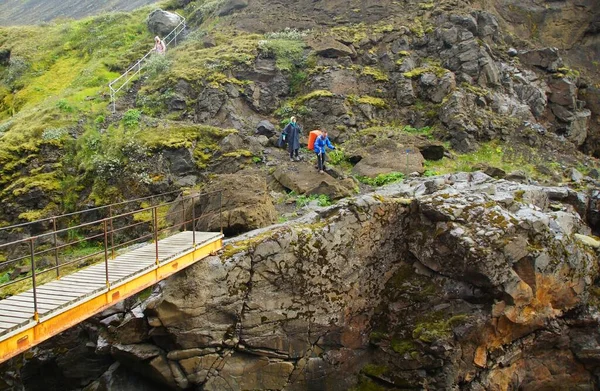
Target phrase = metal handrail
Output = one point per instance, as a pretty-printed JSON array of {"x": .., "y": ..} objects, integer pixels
[
  {"x": 97, "y": 208},
  {"x": 136, "y": 68},
  {"x": 100, "y": 231}
]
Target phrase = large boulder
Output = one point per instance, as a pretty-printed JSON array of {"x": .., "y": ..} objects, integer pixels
[
  {"x": 328, "y": 46},
  {"x": 243, "y": 204},
  {"x": 161, "y": 22},
  {"x": 304, "y": 179},
  {"x": 265, "y": 128},
  {"x": 386, "y": 157}
]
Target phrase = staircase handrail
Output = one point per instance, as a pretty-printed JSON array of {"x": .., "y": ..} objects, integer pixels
[{"x": 136, "y": 68}]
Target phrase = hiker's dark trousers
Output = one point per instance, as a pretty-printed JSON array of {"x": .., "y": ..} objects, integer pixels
[{"x": 321, "y": 161}]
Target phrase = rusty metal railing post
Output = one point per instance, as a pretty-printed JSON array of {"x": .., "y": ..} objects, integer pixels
[
  {"x": 193, "y": 222},
  {"x": 33, "y": 282},
  {"x": 221, "y": 211},
  {"x": 112, "y": 231},
  {"x": 55, "y": 248},
  {"x": 155, "y": 228},
  {"x": 106, "y": 254},
  {"x": 183, "y": 222}
]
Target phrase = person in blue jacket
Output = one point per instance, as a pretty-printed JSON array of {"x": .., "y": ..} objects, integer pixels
[
  {"x": 321, "y": 143},
  {"x": 291, "y": 135}
]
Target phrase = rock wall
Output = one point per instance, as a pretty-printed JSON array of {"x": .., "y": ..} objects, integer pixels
[{"x": 459, "y": 281}]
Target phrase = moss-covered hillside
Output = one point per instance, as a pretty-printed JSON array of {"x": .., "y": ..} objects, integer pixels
[{"x": 411, "y": 70}]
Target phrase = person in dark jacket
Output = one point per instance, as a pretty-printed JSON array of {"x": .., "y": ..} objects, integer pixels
[
  {"x": 321, "y": 143},
  {"x": 291, "y": 134}
]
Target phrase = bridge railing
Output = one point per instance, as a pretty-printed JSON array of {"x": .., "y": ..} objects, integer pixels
[
  {"x": 48, "y": 256},
  {"x": 133, "y": 71}
]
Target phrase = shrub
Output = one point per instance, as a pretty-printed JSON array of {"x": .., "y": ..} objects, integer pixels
[
  {"x": 131, "y": 118},
  {"x": 288, "y": 54},
  {"x": 336, "y": 156},
  {"x": 157, "y": 65}
]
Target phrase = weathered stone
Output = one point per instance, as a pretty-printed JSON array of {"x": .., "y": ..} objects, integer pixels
[
  {"x": 247, "y": 373},
  {"x": 386, "y": 158},
  {"x": 304, "y": 179},
  {"x": 577, "y": 130},
  {"x": 329, "y": 47},
  {"x": 229, "y": 6},
  {"x": 405, "y": 95},
  {"x": 238, "y": 203},
  {"x": 588, "y": 241},
  {"x": 265, "y": 128},
  {"x": 547, "y": 58},
  {"x": 563, "y": 92},
  {"x": 161, "y": 22}
]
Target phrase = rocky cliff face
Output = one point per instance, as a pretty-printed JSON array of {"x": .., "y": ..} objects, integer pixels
[{"x": 457, "y": 281}]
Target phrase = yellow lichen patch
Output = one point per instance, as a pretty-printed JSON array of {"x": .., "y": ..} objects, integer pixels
[{"x": 376, "y": 73}]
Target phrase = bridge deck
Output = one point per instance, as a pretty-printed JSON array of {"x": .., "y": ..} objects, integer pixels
[{"x": 60, "y": 296}]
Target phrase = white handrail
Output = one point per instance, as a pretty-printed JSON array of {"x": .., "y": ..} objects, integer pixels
[{"x": 136, "y": 68}]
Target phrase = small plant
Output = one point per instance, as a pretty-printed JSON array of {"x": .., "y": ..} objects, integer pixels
[
  {"x": 131, "y": 118},
  {"x": 429, "y": 173},
  {"x": 63, "y": 105},
  {"x": 426, "y": 130},
  {"x": 337, "y": 156},
  {"x": 323, "y": 200},
  {"x": 257, "y": 159},
  {"x": 381, "y": 179},
  {"x": 99, "y": 120},
  {"x": 303, "y": 200}
]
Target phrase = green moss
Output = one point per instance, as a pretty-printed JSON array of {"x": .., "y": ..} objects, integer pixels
[
  {"x": 375, "y": 370},
  {"x": 519, "y": 195},
  {"x": 377, "y": 336},
  {"x": 431, "y": 330},
  {"x": 368, "y": 100},
  {"x": 402, "y": 346},
  {"x": 417, "y": 72},
  {"x": 375, "y": 73},
  {"x": 479, "y": 91},
  {"x": 567, "y": 72},
  {"x": 239, "y": 153}
]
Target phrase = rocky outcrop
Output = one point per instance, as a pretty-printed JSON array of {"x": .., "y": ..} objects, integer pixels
[
  {"x": 235, "y": 203},
  {"x": 458, "y": 280}
]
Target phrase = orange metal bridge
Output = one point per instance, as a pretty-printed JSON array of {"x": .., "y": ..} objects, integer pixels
[{"x": 67, "y": 268}]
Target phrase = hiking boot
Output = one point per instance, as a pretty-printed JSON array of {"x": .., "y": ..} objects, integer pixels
[
  {"x": 291, "y": 159},
  {"x": 321, "y": 172},
  {"x": 298, "y": 158}
]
